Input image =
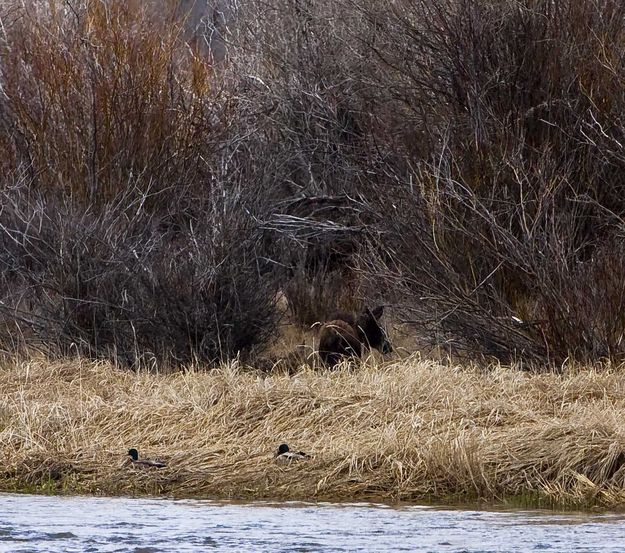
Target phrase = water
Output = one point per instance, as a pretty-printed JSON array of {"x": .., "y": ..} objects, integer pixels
[{"x": 45, "y": 523}]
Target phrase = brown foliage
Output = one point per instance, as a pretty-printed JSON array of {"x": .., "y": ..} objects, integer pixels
[
  {"x": 103, "y": 96},
  {"x": 475, "y": 147}
]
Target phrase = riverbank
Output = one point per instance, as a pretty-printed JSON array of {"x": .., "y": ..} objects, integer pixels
[{"x": 410, "y": 431}]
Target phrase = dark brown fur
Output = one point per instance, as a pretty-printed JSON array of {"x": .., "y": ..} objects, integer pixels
[{"x": 347, "y": 334}]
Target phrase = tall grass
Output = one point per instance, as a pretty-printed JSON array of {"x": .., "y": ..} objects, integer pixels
[{"x": 405, "y": 431}]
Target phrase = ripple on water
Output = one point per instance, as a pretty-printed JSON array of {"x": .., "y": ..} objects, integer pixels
[
  {"x": 50, "y": 524},
  {"x": 59, "y": 536}
]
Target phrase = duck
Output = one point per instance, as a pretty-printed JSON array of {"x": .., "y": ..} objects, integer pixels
[
  {"x": 285, "y": 455},
  {"x": 134, "y": 458}
]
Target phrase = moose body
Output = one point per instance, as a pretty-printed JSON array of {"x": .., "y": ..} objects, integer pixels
[{"x": 349, "y": 334}]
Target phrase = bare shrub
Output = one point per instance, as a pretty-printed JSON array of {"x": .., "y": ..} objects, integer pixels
[
  {"x": 132, "y": 234},
  {"x": 115, "y": 284},
  {"x": 315, "y": 238},
  {"x": 101, "y": 96},
  {"x": 313, "y": 296},
  {"x": 508, "y": 230},
  {"x": 478, "y": 146}
]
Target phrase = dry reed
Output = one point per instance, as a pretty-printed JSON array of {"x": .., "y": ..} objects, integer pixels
[{"x": 406, "y": 431}]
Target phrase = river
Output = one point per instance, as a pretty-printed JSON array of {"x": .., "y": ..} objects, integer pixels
[{"x": 30, "y": 523}]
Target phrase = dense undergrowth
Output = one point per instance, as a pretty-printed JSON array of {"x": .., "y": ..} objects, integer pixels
[{"x": 459, "y": 160}]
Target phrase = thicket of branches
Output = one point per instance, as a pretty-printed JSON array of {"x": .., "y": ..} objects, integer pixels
[
  {"x": 130, "y": 213},
  {"x": 463, "y": 160},
  {"x": 507, "y": 239}
]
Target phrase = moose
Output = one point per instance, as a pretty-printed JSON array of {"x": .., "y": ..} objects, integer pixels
[{"x": 348, "y": 334}]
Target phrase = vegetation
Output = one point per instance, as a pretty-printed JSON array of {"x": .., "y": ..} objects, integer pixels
[
  {"x": 460, "y": 160},
  {"x": 406, "y": 431}
]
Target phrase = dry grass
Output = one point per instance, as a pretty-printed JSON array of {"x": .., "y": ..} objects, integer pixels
[{"x": 409, "y": 431}]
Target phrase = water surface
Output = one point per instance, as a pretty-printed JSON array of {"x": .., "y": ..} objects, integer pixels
[{"x": 90, "y": 524}]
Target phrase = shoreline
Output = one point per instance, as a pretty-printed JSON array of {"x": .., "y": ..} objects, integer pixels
[
  {"x": 508, "y": 505},
  {"x": 411, "y": 432}
]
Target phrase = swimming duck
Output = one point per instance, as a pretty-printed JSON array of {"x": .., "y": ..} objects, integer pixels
[
  {"x": 285, "y": 455},
  {"x": 134, "y": 457}
]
